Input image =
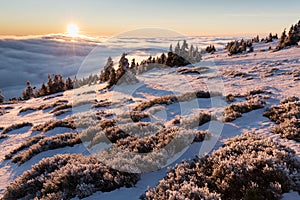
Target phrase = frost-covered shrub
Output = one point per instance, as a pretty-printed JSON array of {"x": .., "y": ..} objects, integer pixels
[
  {"x": 44, "y": 106},
  {"x": 169, "y": 99},
  {"x": 130, "y": 161},
  {"x": 66, "y": 122},
  {"x": 148, "y": 144},
  {"x": 60, "y": 107},
  {"x": 287, "y": 116},
  {"x": 66, "y": 176},
  {"x": 29, "y": 142},
  {"x": 246, "y": 167},
  {"x": 45, "y": 144},
  {"x": 16, "y": 126},
  {"x": 234, "y": 73},
  {"x": 236, "y": 110},
  {"x": 101, "y": 103}
]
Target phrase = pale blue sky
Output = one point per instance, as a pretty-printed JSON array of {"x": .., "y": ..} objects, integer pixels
[{"x": 190, "y": 17}]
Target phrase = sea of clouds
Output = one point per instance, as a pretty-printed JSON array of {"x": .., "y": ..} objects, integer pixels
[{"x": 31, "y": 59}]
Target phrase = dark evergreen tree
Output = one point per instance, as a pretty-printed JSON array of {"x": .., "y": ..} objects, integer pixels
[
  {"x": 112, "y": 78},
  {"x": 2, "y": 99},
  {"x": 28, "y": 92},
  {"x": 105, "y": 73},
  {"x": 50, "y": 87},
  {"x": 69, "y": 84},
  {"x": 43, "y": 91}
]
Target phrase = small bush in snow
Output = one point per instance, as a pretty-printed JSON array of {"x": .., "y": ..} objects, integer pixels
[
  {"x": 67, "y": 176},
  {"x": 236, "y": 110},
  {"x": 16, "y": 126},
  {"x": 287, "y": 116},
  {"x": 246, "y": 167},
  {"x": 67, "y": 122},
  {"x": 48, "y": 143},
  {"x": 31, "y": 141}
]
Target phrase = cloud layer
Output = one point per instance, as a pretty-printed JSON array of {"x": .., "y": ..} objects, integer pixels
[{"x": 33, "y": 58}]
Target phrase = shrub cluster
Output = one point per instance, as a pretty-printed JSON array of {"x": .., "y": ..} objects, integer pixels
[
  {"x": 16, "y": 126},
  {"x": 45, "y": 144},
  {"x": 44, "y": 106},
  {"x": 246, "y": 167},
  {"x": 287, "y": 116},
  {"x": 28, "y": 143},
  {"x": 169, "y": 99},
  {"x": 155, "y": 142},
  {"x": 236, "y": 110},
  {"x": 49, "y": 125},
  {"x": 67, "y": 176}
]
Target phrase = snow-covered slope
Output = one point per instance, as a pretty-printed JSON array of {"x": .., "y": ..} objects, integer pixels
[{"x": 274, "y": 74}]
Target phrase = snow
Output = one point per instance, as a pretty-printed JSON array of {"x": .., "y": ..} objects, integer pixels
[{"x": 158, "y": 82}]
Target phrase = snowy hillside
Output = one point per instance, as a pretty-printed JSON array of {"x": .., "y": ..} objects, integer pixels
[{"x": 246, "y": 108}]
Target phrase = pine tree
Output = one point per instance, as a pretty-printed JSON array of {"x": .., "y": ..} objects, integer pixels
[
  {"x": 171, "y": 48},
  {"x": 104, "y": 76},
  {"x": 2, "y": 99},
  {"x": 43, "y": 91},
  {"x": 28, "y": 92},
  {"x": 177, "y": 48},
  {"x": 112, "y": 78},
  {"x": 50, "y": 88},
  {"x": 132, "y": 64},
  {"x": 163, "y": 58},
  {"x": 69, "y": 84},
  {"x": 61, "y": 84}
]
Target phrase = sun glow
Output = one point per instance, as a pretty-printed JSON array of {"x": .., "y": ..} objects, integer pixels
[{"x": 72, "y": 30}]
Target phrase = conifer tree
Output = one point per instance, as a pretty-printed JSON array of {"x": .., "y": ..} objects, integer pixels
[
  {"x": 2, "y": 99},
  {"x": 28, "y": 92},
  {"x": 43, "y": 91},
  {"x": 69, "y": 84}
]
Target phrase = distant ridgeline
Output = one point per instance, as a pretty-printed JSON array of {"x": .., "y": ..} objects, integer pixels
[{"x": 181, "y": 56}]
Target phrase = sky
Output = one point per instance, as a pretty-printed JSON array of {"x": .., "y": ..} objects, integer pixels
[{"x": 111, "y": 17}]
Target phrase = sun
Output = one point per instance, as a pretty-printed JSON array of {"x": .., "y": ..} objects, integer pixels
[{"x": 72, "y": 30}]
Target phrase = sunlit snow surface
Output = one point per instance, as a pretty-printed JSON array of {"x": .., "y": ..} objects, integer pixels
[{"x": 34, "y": 58}]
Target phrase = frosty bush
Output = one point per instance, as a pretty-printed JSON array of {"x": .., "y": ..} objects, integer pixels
[
  {"x": 247, "y": 166},
  {"x": 30, "y": 141},
  {"x": 44, "y": 106},
  {"x": 45, "y": 144},
  {"x": 169, "y": 99},
  {"x": 132, "y": 161},
  {"x": 66, "y": 176},
  {"x": 16, "y": 126},
  {"x": 236, "y": 110},
  {"x": 287, "y": 116},
  {"x": 66, "y": 122}
]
